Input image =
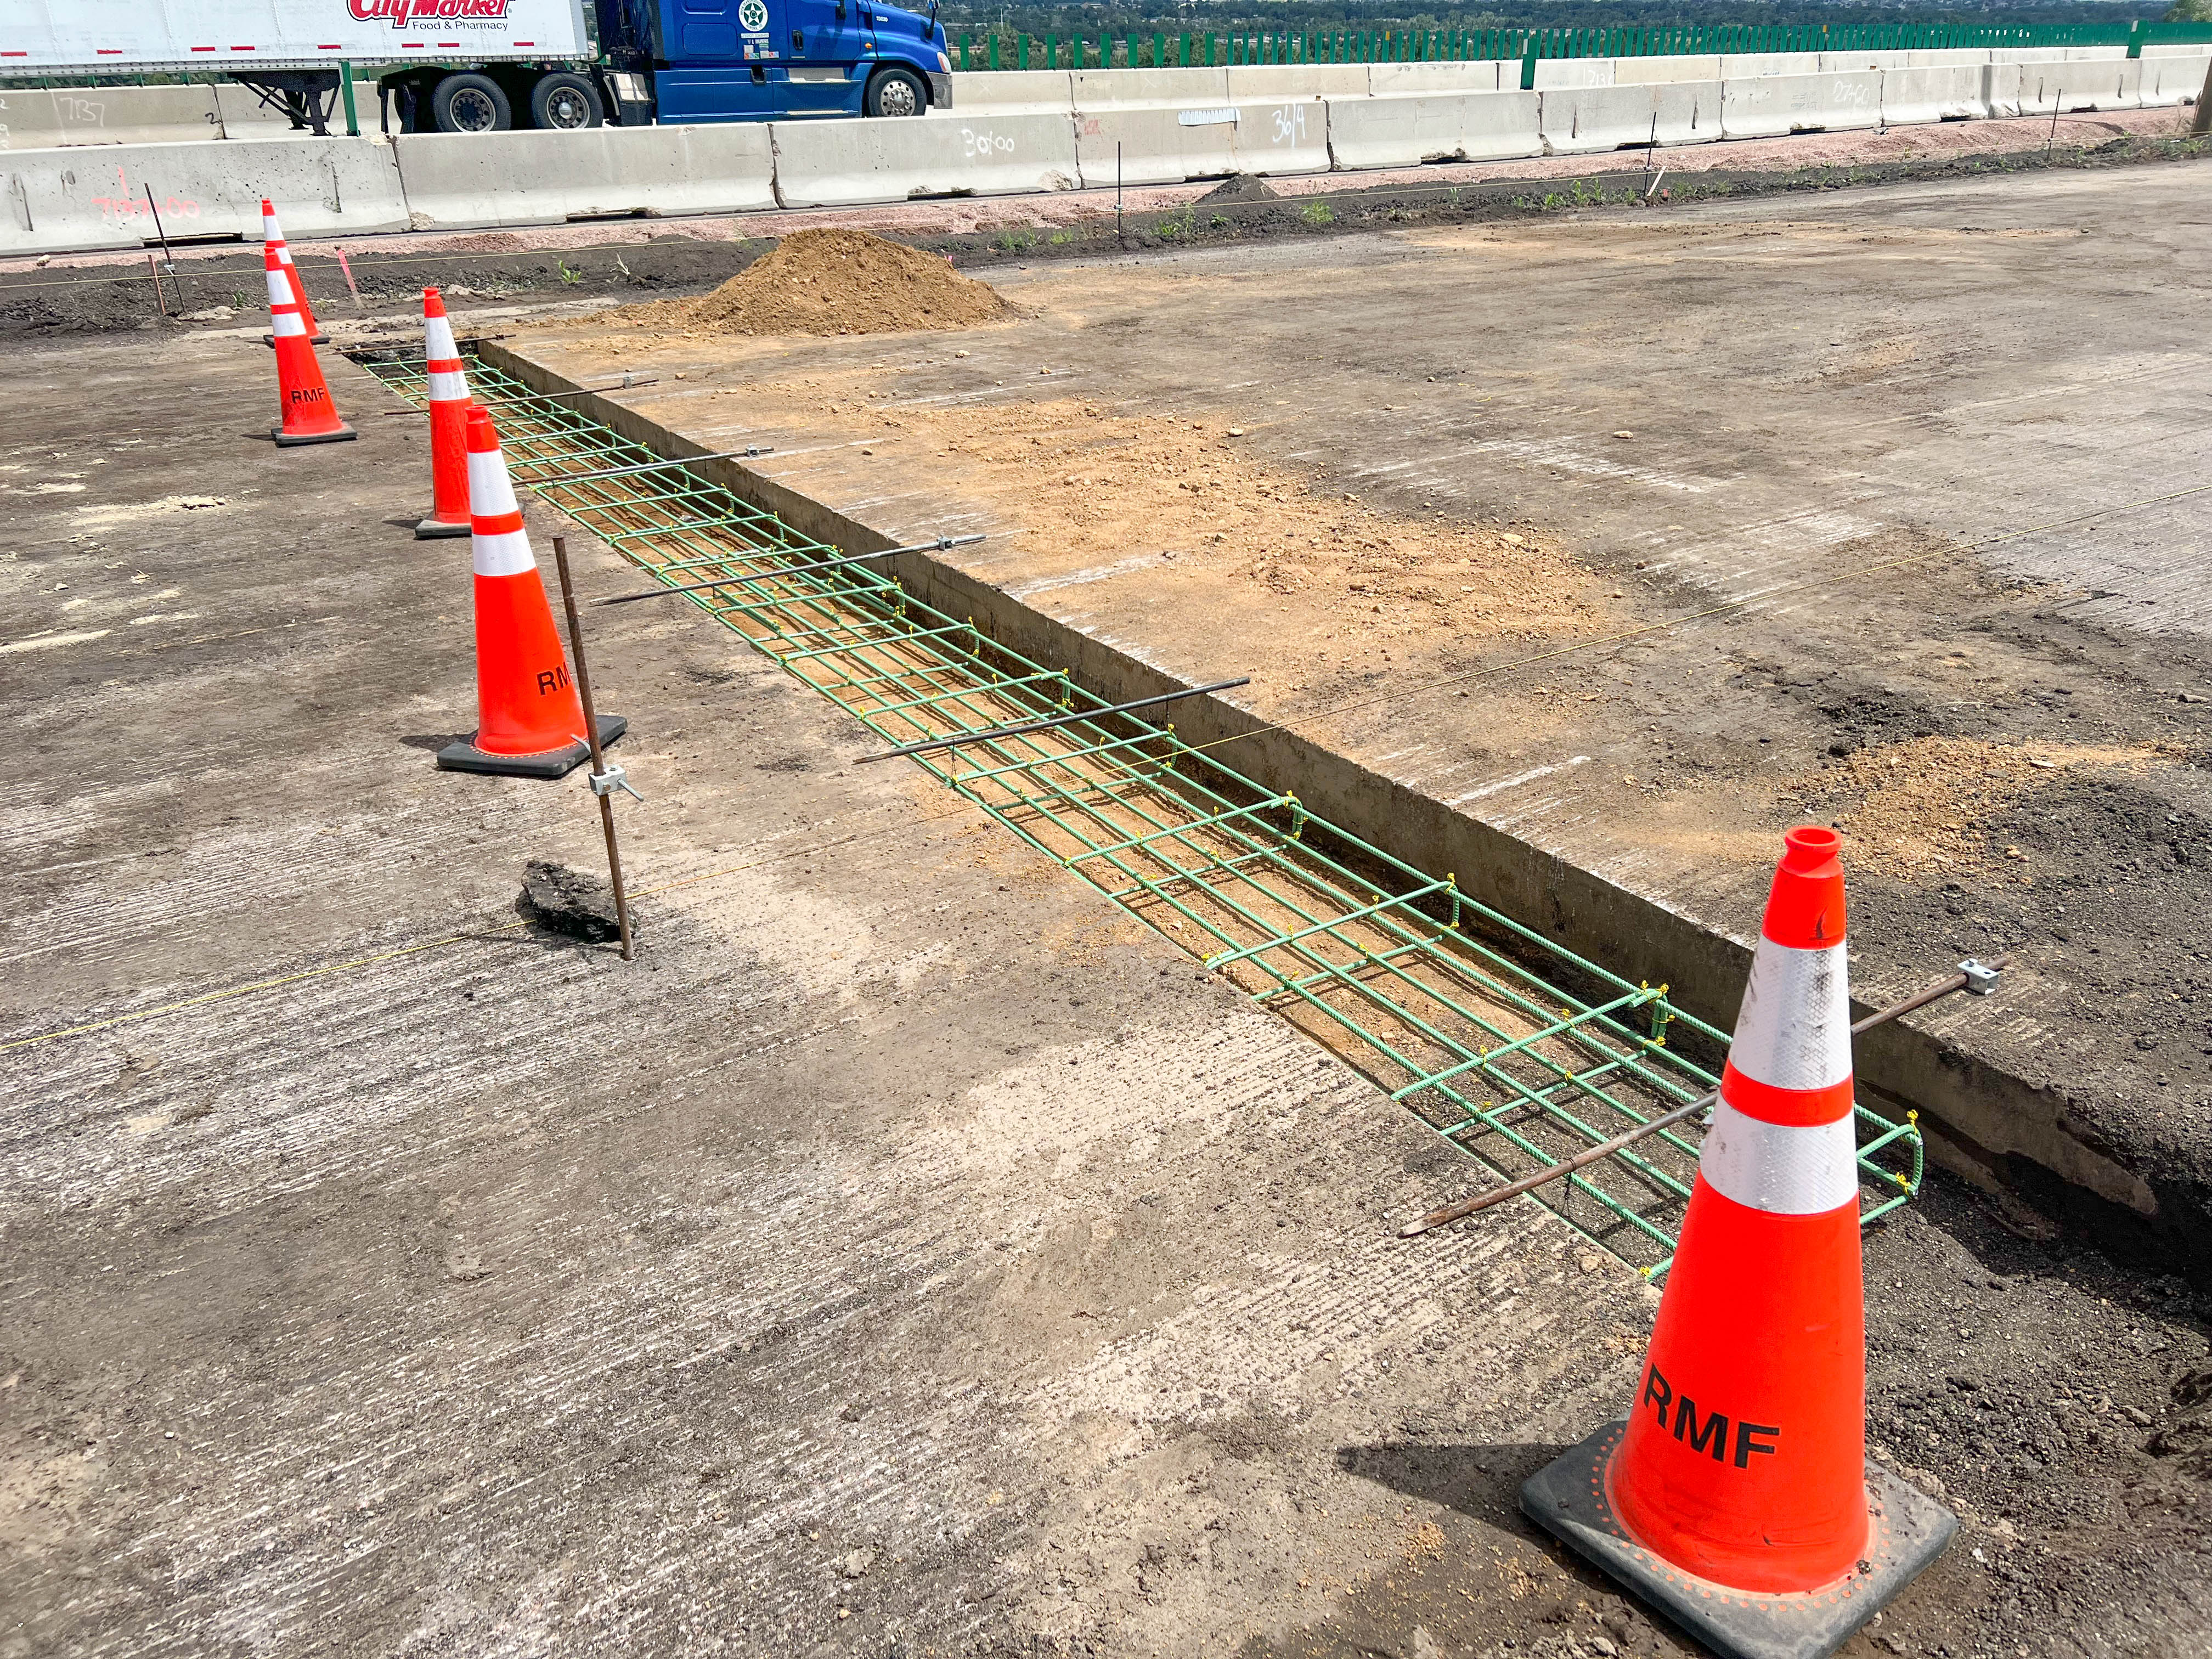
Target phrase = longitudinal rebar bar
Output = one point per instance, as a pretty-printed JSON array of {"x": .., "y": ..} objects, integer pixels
[{"x": 1519, "y": 1053}]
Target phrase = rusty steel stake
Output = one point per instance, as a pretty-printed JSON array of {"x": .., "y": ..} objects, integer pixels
[
  {"x": 1980, "y": 975},
  {"x": 592, "y": 737}
]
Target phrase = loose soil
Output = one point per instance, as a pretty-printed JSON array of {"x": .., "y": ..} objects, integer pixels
[
  {"x": 1092, "y": 488},
  {"x": 830, "y": 282},
  {"x": 1921, "y": 807}
]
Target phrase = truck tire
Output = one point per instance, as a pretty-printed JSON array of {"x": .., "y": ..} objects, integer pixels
[
  {"x": 566, "y": 103},
  {"x": 896, "y": 92},
  {"x": 471, "y": 103}
]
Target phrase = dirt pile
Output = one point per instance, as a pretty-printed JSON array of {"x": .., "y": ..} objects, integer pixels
[
  {"x": 1238, "y": 188},
  {"x": 842, "y": 281}
]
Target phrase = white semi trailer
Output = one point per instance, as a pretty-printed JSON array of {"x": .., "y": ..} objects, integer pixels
[
  {"x": 455, "y": 65},
  {"x": 482, "y": 65}
]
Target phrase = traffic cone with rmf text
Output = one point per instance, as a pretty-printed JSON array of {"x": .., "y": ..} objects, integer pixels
[
  {"x": 310, "y": 417},
  {"x": 531, "y": 722},
  {"x": 1737, "y": 1496},
  {"x": 272, "y": 235},
  {"x": 449, "y": 423}
]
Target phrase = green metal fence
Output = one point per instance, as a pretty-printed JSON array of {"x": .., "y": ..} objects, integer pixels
[
  {"x": 1516, "y": 1052},
  {"x": 1108, "y": 50}
]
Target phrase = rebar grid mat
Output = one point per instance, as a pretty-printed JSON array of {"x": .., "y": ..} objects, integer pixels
[{"x": 1461, "y": 1014}]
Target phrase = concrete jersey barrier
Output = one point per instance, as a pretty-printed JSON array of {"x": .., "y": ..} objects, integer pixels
[
  {"x": 2173, "y": 79},
  {"x": 1775, "y": 106},
  {"x": 1263, "y": 80},
  {"x": 975, "y": 90},
  {"x": 1483, "y": 75},
  {"x": 1911, "y": 97},
  {"x": 1406, "y": 131},
  {"x": 1583, "y": 120},
  {"x": 68, "y": 117},
  {"x": 2065, "y": 86},
  {"x": 1006, "y": 133},
  {"x": 1758, "y": 65},
  {"x": 854, "y": 163},
  {"x": 1642, "y": 71},
  {"x": 457, "y": 180},
  {"x": 1096, "y": 89},
  {"x": 1562, "y": 73},
  {"x": 1162, "y": 145},
  {"x": 77, "y": 199}
]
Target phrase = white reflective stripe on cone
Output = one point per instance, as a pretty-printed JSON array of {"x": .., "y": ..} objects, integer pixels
[
  {"x": 283, "y": 253},
  {"x": 1782, "y": 1169},
  {"x": 448, "y": 387},
  {"x": 490, "y": 494},
  {"x": 1795, "y": 1029},
  {"x": 507, "y": 554},
  {"x": 280, "y": 290},
  {"x": 438, "y": 335},
  {"x": 287, "y": 323}
]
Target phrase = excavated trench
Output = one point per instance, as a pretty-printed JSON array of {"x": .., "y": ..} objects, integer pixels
[{"x": 1500, "y": 1005}]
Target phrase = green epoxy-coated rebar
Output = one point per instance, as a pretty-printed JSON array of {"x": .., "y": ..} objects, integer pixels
[{"x": 1460, "y": 1011}]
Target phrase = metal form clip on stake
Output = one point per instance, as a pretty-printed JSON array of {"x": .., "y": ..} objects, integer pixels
[{"x": 613, "y": 777}]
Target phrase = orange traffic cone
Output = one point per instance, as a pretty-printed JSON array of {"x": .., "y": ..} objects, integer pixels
[
  {"x": 449, "y": 424},
  {"x": 273, "y": 236},
  {"x": 531, "y": 720},
  {"x": 310, "y": 417},
  {"x": 1737, "y": 1496}
]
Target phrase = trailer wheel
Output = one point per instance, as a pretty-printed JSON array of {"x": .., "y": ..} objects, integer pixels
[
  {"x": 896, "y": 92},
  {"x": 471, "y": 103},
  {"x": 565, "y": 103}
]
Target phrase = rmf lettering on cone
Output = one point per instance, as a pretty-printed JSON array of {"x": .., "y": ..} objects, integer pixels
[{"x": 1736, "y": 1497}]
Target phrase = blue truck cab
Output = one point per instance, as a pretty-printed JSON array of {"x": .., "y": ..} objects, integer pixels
[{"x": 756, "y": 60}]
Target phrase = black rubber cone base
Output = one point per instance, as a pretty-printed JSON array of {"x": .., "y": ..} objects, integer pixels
[
  {"x": 293, "y": 439},
  {"x": 432, "y": 528},
  {"x": 552, "y": 763},
  {"x": 1569, "y": 1499}
]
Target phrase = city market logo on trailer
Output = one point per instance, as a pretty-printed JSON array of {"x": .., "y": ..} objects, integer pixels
[{"x": 401, "y": 13}]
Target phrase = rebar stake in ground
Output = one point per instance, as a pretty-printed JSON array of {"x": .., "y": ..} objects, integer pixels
[{"x": 603, "y": 781}]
